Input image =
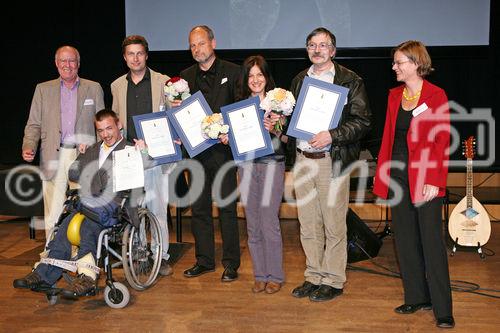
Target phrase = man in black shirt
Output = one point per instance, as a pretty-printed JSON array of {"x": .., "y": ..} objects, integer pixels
[
  {"x": 216, "y": 79},
  {"x": 138, "y": 100},
  {"x": 140, "y": 91}
]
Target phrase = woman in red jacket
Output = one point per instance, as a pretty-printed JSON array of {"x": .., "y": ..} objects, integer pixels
[{"x": 411, "y": 171}]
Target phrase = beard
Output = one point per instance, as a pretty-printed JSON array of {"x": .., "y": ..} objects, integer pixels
[{"x": 203, "y": 58}]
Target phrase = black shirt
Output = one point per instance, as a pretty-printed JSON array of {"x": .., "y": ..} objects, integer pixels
[
  {"x": 279, "y": 151},
  {"x": 400, "y": 147},
  {"x": 139, "y": 101},
  {"x": 205, "y": 81}
]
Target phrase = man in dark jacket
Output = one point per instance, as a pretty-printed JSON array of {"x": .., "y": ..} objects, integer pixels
[
  {"x": 93, "y": 170},
  {"x": 321, "y": 173},
  {"x": 216, "y": 79}
]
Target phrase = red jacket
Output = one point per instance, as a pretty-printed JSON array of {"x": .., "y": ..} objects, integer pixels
[{"x": 428, "y": 142}]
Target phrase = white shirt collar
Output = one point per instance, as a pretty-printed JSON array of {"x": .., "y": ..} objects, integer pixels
[{"x": 104, "y": 153}]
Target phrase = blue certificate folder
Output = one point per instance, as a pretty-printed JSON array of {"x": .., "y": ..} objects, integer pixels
[
  {"x": 242, "y": 148},
  {"x": 158, "y": 116},
  {"x": 199, "y": 102},
  {"x": 314, "y": 89}
]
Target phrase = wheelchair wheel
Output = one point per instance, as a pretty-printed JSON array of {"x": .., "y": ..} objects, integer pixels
[
  {"x": 141, "y": 251},
  {"x": 118, "y": 298}
]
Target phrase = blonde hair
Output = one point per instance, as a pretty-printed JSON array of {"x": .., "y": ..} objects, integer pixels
[{"x": 417, "y": 53}]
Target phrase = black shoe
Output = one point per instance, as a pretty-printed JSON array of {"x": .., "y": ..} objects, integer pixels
[
  {"x": 197, "y": 270},
  {"x": 445, "y": 322},
  {"x": 411, "y": 308},
  {"x": 230, "y": 274},
  {"x": 165, "y": 268},
  {"x": 325, "y": 293},
  {"x": 304, "y": 290},
  {"x": 82, "y": 285},
  {"x": 30, "y": 281}
]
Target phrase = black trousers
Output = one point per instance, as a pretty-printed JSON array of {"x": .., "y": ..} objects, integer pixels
[
  {"x": 202, "y": 226},
  {"x": 420, "y": 246}
]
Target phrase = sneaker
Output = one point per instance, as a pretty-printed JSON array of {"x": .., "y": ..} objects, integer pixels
[
  {"x": 30, "y": 281},
  {"x": 165, "y": 268},
  {"x": 82, "y": 285}
]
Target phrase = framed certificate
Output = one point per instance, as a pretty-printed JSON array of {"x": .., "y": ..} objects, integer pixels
[
  {"x": 186, "y": 120},
  {"x": 155, "y": 130},
  {"x": 318, "y": 108},
  {"x": 248, "y": 138}
]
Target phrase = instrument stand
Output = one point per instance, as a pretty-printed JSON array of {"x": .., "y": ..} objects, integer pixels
[{"x": 478, "y": 248}]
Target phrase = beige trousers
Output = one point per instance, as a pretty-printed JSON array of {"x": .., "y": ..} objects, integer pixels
[
  {"x": 54, "y": 190},
  {"x": 322, "y": 203}
]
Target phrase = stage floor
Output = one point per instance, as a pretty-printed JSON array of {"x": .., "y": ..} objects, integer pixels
[{"x": 204, "y": 304}]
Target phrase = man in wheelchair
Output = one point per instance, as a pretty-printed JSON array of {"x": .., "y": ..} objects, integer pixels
[{"x": 93, "y": 170}]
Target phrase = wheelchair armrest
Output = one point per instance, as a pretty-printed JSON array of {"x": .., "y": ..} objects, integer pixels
[{"x": 129, "y": 215}]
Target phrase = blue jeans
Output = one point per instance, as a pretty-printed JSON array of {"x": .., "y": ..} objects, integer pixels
[{"x": 60, "y": 247}]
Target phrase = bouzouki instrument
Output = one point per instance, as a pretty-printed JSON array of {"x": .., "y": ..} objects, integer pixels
[{"x": 469, "y": 223}]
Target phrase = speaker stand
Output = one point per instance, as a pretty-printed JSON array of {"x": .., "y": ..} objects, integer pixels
[
  {"x": 387, "y": 228},
  {"x": 177, "y": 249},
  {"x": 384, "y": 233}
]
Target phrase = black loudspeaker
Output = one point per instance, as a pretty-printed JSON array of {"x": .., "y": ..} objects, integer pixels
[{"x": 362, "y": 243}]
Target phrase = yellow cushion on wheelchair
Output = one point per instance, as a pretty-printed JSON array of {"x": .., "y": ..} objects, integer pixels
[{"x": 73, "y": 233}]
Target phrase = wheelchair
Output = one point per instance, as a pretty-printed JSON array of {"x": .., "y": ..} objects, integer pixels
[{"x": 134, "y": 243}]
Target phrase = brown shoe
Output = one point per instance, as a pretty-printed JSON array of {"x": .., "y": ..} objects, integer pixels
[
  {"x": 259, "y": 286},
  {"x": 82, "y": 285},
  {"x": 30, "y": 281},
  {"x": 273, "y": 287}
]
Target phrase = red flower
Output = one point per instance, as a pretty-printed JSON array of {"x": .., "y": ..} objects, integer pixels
[{"x": 173, "y": 80}]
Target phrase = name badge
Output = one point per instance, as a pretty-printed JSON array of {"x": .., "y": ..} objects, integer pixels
[
  {"x": 420, "y": 109},
  {"x": 88, "y": 101}
]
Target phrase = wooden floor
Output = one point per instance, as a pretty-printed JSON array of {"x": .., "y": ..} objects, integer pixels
[{"x": 204, "y": 304}]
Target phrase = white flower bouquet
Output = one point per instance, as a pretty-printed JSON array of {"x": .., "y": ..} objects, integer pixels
[
  {"x": 279, "y": 101},
  {"x": 176, "y": 89},
  {"x": 212, "y": 126}
]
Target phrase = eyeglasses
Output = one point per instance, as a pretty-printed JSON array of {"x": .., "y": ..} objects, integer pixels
[
  {"x": 399, "y": 63},
  {"x": 321, "y": 46}
]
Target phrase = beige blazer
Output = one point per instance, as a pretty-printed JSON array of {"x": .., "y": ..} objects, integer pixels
[
  {"x": 119, "y": 92},
  {"x": 44, "y": 122}
]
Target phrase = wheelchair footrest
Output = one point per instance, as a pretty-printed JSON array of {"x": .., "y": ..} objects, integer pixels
[
  {"x": 73, "y": 295},
  {"x": 48, "y": 290}
]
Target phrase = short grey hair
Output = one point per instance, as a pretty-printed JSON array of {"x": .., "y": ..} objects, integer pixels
[
  {"x": 205, "y": 28},
  {"x": 68, "y": 47}
]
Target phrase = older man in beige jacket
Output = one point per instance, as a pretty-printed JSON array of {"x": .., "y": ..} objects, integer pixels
[{"x": 61, "y": 119}]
